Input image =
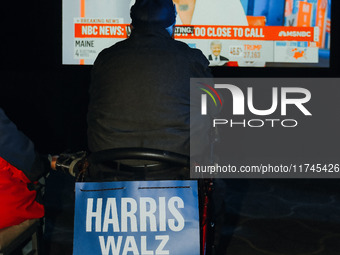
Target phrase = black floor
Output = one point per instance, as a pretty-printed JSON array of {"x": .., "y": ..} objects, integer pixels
[{"x": 261, "y": 217}]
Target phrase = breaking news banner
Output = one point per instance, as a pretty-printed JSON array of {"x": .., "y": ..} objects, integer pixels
[
  {"x": 244, "y": 33},
  {"x": 141, "y": 217},
  {"x": 258, "y": 44},
  {"x": 265, "y": 128}
]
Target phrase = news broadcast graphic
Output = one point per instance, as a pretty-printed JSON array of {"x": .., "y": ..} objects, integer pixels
[
  {"x": 264, "y": 128},
  {"x": 139, "y": 217},
  {"x": 249, "y": 33}
]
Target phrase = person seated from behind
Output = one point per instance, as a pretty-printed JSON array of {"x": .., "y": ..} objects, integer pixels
[{"x": 140, "y": 88}]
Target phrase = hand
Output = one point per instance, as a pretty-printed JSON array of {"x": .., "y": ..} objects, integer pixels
[{"x": 53, "y": 162}]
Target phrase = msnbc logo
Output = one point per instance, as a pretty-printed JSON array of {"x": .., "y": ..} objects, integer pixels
[{"x": 295, "y": 34}]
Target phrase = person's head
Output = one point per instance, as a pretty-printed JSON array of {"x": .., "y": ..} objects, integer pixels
[
  {"x": 216, "y": 48},
  {"x": 154, "y": 13}
]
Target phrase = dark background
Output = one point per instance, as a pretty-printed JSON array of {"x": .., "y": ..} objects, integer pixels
[{"x": 48, "y": 101}]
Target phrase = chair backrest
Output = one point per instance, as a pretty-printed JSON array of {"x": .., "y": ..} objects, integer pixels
[{"x": 160, "y": 156}]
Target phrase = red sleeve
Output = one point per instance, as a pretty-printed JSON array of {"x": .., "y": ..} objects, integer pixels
[{"x": 18, "y": 202}]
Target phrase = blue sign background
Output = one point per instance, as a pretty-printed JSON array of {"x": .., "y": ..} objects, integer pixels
[{"x": 185, "y": 241}]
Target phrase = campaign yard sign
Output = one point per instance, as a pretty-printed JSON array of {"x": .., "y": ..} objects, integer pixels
[{"x": 141, "y": 217}]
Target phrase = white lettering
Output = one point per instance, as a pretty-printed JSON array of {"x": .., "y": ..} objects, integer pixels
[
  {"x": 162, "y": 214},
  {"x": 148, "y": 214},
  {"x": 130, "y": 245},
  {"x": 298, "y": 101},
  {"x": 115, "y": 248},
  {"x": 144, "y": 249},
  {"x": 174, "y": 211},
  {"x": 111, "y": 209},
  {"x": 238, "y": 97},
  {"x": 127, "y": 213},
  {"x": 94, "y": 214},
  {"x": 262, "y": 112},
  {"x": 164, "y": 239}
]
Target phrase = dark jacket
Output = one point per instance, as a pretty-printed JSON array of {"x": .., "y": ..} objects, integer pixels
[
  {"x": 18, "y": 150},
  {"x": 140, "y": 93},
  {"x": 222, "y": 58},
  {"x": 20, "y": 165}
]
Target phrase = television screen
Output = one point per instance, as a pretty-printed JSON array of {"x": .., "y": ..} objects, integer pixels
[{"x": 243, "y": 33}]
